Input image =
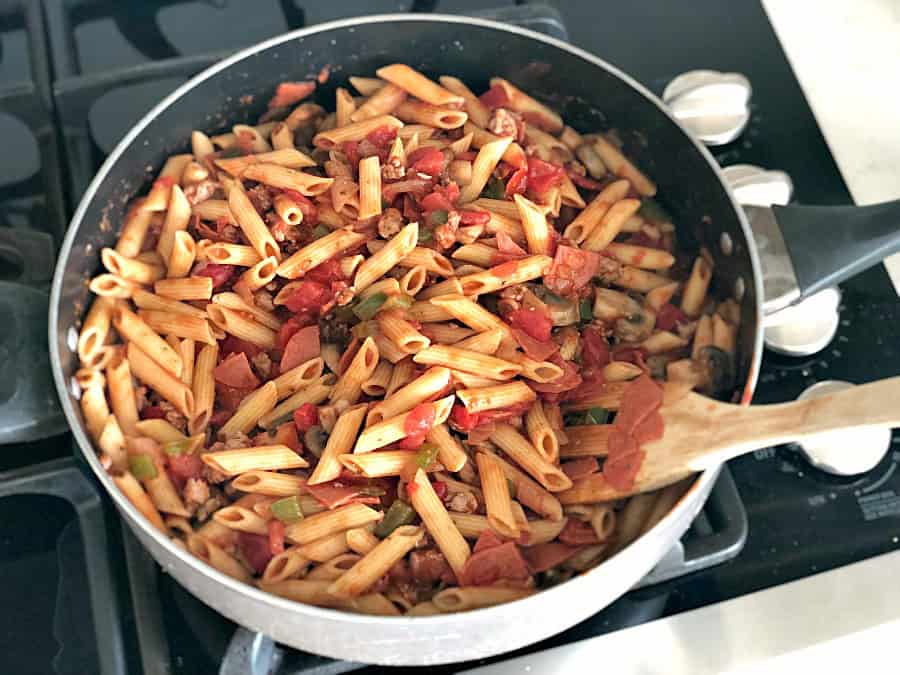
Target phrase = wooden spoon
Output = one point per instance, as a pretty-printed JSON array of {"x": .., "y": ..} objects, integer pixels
[{"x": 701, "y": 433}]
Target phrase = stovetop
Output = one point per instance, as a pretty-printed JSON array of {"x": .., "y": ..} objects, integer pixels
[{"x": 74, "y": 75}]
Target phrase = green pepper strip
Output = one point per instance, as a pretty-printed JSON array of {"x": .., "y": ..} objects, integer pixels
[
  {"x": 177, "y": 447},
  {"x": 585, "y": 310},
  {"x": 287, "y": 510},
  {"x": 367, "y": 308},
  {"x": 597, "y": 416},
  {"x": 142, "y": 467},
  {"x": 426, "y": 455},
  {"x": 399, "y": 513}
]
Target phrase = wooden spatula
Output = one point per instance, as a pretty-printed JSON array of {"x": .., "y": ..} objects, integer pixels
[{"x": 701, "y": 433}]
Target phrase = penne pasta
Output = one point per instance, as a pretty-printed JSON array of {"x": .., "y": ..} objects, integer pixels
[
  {"x": 498, "y": 502},
  {"x": 314, "y": 254},
  {"x": 395, "y": 428},
  {"x": 259, "y": 458},
  {"x": 340, "y": 443}
]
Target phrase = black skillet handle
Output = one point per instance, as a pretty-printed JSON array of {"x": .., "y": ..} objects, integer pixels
[{"x": 828, "y": 244}]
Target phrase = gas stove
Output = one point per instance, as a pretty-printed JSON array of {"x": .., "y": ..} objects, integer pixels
[{"x": 82, "y": 594}]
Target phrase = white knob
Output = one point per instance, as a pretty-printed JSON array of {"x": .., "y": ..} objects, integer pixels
[{"x": 848, "y": 452}]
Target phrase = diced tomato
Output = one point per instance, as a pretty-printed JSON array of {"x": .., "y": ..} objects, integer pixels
[
  {"x": 578, "y": 533},
  {"x": 186, "y": 465},
  {"x": 164, "y": 182},
  {"x": 495, "y": 97},
  {"x": 428, "y": 160},
  {"x": 152, "y": 412},
  {"x": 305, "y": 417},
  {"x": 255, "y": 549},
  {"x": 543, "y": 175},
  {"x": 594, "y": 349},
  {"x": 276, "y": 536},
  {"x": 441, "y": 198},
  {"x": 382, "y": 137},
  {"x": 303, "y": 346},
  {"x": 440, "y": 489},
  {"x": 351, "y": 149},
  {"x": 289, "y": 93},
  {"x": 467, "y": 217},
  {"x": 235, "y": 371},
  {"x": 232, "y": 344},
  {"x": 309, "y": 296},
  {"x": 307, "y": 207},
  {"x": 286, "y": 434},
  {"x": 462, "y": 419},
  {"x": 571, "y": 270},
  {"x": 505, "y": 270},
  {"x": 517, "y": 183},
  {"x": 536, "y": 323},
  {"x": 670, "y": 317},
  {"x": 419, "y": 420},
  {"x": 220, "y": 274},
  {"x": 411, "y": 442},
  {"x": 326, "y": 272}
]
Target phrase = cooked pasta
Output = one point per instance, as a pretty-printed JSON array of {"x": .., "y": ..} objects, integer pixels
[{"x": 389, "y": 333}]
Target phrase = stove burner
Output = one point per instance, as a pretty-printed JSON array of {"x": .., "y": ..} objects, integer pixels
[
  {"x": 714, "y": 106},
  {"x": 844, "y": 453}
]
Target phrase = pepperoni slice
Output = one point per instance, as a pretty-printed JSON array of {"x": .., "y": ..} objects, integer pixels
[
  {"x": 650, "y": 429},
  {"x": 621, "y": 470}
]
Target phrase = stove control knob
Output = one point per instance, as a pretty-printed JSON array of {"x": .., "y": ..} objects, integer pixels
[
  {"x": 844, "y": 453},
  {"x": 712, "y": 105},
  {"x": 755, "y": 186}
]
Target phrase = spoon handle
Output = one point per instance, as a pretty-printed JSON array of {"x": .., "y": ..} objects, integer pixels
[{"x": 741, "y": 430}]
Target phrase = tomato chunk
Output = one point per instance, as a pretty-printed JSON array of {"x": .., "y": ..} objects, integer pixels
[
  {"x": 428, "y": 160},
  {"x": 543, "y": 175},
  {"x": 309, "y": 296},
  {"x": 594, "y": 349},
  {"x": 419, "y": 420},
  {"x": 495, "y": 97},
  {"x": 305, "y": 417},
  {"x": 462, "y": 419},
  {"x": 535, "y": 323}
]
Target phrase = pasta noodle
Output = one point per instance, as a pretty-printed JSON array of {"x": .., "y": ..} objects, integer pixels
[{"x": 332, "y": 335}]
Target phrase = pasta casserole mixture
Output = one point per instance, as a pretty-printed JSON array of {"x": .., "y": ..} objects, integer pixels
[{"x": 396, "y": 358}]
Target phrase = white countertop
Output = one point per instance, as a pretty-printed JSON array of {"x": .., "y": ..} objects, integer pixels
[{"x": 846, "y": 54}]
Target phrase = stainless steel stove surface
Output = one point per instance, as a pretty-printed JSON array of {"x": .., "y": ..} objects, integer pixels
[{"x": 84, "y": 597}]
